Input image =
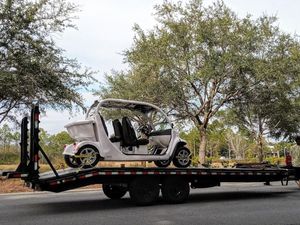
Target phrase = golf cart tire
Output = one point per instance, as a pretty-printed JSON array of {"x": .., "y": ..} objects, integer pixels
[
  {"x": 175, "y": 190},
  {"x": 114, "y": 191},
  {"x": 177, "y": 162},
  {"x": 162, "y": 163},
  {"x": 96, "y": 160},
  {"x": 69, "y": 162},
  {"x": 144, "y": 190}
]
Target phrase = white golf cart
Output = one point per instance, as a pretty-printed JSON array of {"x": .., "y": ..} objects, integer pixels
[{"x": 157, "y": 140}]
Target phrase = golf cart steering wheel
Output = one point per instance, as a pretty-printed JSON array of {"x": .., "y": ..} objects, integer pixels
[{"x": 145, "y": 129}]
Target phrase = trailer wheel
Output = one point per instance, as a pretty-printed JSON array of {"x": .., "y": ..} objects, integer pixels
[
  {"x": 114, "y": 191},
  {"x": 87, "y": 156},
  {"x": 144, "y": 190},
  {"x": 71, "y": 161},
  {"x": 175, "y": 190},
  {"x": 162, "y": 163},
  {"x": 182, "y": 157}
]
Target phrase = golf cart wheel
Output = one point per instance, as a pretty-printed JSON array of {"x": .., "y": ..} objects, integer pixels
[
  {"x": 71, "y": 161},
  {"x": 182, "y": 157},
  {"x": 114, "y": 191},
  {"x": 162, "y": 163},
  {"x": 144, "y": 190},
  {"x": 87, "y": 156},
  {"x": 175, "y": 190}
]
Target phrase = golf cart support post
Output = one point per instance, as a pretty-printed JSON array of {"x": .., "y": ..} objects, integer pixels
[{"x": 143, "y": 184}]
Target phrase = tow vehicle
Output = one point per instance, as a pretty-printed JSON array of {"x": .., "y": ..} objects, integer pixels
[
  {"x": 158, "y": 141},
  {"x": 143, "y": 183}
]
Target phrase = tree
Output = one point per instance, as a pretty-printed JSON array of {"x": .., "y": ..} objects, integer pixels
[
  {"x": 237, "y": 143},
  {"x": 54, "y": 144},
  {"x": 195, "y": 62},
  {"x": 9, "y": 143},
  {"x": 5, "y": 137},
  {"x": 191, "y": 137},
  {"x": 216, "y": 134},
  {"x": 32, "y": 66},
  {"x": 271, "y": 108},
  {"x": 254, "y": 115}
]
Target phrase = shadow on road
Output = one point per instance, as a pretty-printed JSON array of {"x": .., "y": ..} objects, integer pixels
[
  {"x": 236, "y": 196},
  {"x": 107, "y": 204}
]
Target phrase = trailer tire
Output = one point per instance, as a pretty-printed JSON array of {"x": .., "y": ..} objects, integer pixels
[
  {"x": 182, "y": 157},
  {"x": 71, "y": 161},
  {"x": 175, "y": 190},
  {"x": 114, "y": 191},
  {"x": 144, "y": 190}
]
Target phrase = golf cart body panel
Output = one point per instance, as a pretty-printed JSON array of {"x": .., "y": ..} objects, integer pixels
[{"x": 159, "y": 144}]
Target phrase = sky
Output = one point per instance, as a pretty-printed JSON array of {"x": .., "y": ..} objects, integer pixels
[{"x": 105, "y": 31}]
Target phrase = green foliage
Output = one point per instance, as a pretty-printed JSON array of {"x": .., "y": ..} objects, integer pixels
[
  {"x": 32, "y": 66},
  {"x": 275, "y": 160},
  {"x": 8, "y": 145},
  {"x": 192, "y": 139},
  {"x": 195, "y": 160},
  {"x": 216, "y": 134},
  {"x": 9, "y": 157},
  {"x": 53, "y": 145}
]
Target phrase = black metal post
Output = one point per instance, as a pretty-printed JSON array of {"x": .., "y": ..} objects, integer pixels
[
  {"x": 22, "y": 168},
  {"x": 35, "y": 147},
  {"x": 34, "y": 143},
  {"x": 49, "y": 162}
]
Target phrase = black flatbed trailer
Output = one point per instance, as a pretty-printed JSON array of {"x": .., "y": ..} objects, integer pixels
[
  {"x": 198, "y": 177},
  {"x": 143, "y": 183}
]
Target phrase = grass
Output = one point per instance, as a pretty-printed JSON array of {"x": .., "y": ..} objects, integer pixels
[{"x": 12, "y": 185}]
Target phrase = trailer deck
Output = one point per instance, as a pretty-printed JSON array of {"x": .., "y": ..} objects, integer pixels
[{"x": 72, "y": 178}]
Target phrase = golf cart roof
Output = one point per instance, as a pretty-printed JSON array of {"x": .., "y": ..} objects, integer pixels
[{"x": 143, "y": 107}]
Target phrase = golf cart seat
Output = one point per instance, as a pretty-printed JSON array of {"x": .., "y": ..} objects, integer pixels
[
  {"x": 118, "y": 132},
  {"x": 129, "y": 135}
]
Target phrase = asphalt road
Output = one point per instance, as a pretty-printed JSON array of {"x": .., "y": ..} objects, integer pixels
[{"x": 229, "y": 204}]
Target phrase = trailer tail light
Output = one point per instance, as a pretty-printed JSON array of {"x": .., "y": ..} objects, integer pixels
[
  {"x": 36, "y": 116},
  {"x": 36, "y": 120}
]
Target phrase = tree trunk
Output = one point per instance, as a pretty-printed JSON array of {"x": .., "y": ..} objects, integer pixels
[
  {"x": 260, "y": 148},
  {"x": 202, "y": 147}
]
